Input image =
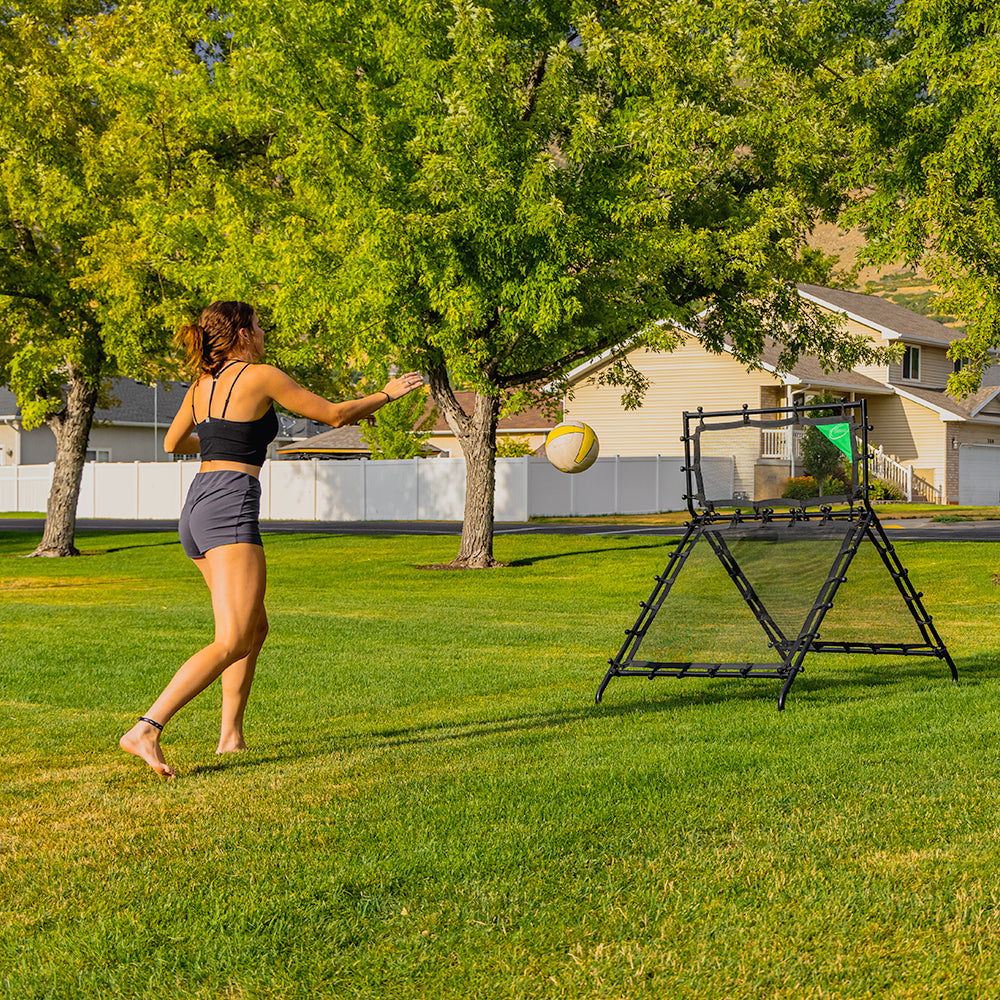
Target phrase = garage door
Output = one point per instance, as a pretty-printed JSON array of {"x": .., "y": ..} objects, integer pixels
[{"x": 979, "y": 474}]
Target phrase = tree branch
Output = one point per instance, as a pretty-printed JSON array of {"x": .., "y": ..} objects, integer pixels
[
  {"x": 36, "y": 297},
  {"x": 555, "y": 367},
  {"x": 533, "y": 83},
  {"x": 444, "y": 398}
]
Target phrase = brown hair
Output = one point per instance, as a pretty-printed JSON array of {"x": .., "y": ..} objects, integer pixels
[{"x": 216, "y": 335}]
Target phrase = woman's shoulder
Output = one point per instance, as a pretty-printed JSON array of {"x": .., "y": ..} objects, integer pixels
[{"x": 268, "y": 375}]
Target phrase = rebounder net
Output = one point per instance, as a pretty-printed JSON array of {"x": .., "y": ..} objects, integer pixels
[
  {"x": 775, "y": 565},
  {"x": 708, "y": 619}
]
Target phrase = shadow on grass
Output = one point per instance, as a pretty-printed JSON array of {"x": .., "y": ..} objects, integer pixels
[
  {"x": 852, "y": 686},
  {"x": 592, "y": 552}
]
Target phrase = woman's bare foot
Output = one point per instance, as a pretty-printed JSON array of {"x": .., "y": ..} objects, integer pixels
[
  {"x": 231, "y": 744},
  {"x": 143, "y": 740}
]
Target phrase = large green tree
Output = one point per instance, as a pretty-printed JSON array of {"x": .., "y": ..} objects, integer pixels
[
  {"x": 70, "y": 176},
  {"x": 492, "y": 192},
  {"x": 926, "y": 160},
  {"x": 488, "y": 191},
  {"x": 120, "y": 156}
]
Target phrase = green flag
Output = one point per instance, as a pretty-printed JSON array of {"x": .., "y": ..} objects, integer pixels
[{"x": 839, "y": 434}]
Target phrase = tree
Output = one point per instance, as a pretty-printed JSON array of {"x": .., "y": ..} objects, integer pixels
[
  {"x": 926, "y": 160},
  {"x": 821, "y": 458},
  {"x": 402, "y": 429},
  {"x": 69, "y": 175},
  {"x": 121, "y": 156},
  {"x": 493, "y": 192}
]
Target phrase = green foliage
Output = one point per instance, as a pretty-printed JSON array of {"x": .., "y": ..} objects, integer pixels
[
  {"x": 882, "y": 489},
  {"x": 402, "y": 427},
  {"x": 925, "y": 152},
  {"x": 513, "y": 447},
  {"x": 801, "y": 488}
]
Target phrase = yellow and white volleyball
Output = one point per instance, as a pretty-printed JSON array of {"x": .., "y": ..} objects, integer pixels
[{"x": 572, "y": 446}]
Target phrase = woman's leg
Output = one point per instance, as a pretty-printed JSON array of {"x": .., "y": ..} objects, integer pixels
[
  {"x": 236, "y": 681},
  {"x": 236, "y": 575}
]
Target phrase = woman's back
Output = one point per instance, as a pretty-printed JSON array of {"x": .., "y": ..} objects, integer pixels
[{"x": 234, "y": 393}]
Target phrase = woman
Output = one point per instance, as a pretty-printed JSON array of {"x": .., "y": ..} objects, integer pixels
[{"x": 228, "y": 416}]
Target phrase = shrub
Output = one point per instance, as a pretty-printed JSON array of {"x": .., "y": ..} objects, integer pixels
[
  {"x": 801, "y": 488},
  {"x": 882, "y": 489},
  {"x": 511, "y": 447}
]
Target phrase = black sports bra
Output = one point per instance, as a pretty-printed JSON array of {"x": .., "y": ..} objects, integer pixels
[{"x": 223, "y": 440}]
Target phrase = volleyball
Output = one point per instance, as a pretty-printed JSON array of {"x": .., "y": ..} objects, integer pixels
[{"x": 572, "y": 446}]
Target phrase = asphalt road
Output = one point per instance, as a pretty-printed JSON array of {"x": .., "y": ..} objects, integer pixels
[{"x": 910, "y": 529}]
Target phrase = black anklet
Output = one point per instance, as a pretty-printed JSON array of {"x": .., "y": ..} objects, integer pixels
[{"x": 142, "y": 718}]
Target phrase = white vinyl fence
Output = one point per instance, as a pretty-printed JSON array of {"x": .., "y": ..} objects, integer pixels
[{"x": 411, "y": 490}]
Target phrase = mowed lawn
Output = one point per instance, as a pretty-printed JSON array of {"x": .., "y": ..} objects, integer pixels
[{"x": 433, "y": 806}]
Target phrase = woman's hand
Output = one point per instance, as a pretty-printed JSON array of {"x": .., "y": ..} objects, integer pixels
[{"x": 399, "y": 387}]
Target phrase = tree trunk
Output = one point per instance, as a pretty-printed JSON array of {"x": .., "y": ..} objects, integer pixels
[
  {"x": 480, "y": 449},
  {"x": 477, "y": 434},
  {"x": 72, "y": 430}
]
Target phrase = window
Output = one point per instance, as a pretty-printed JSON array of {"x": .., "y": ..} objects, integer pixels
[
  {"x": 911, "y": 364},
  {"x": 98, "y": 455},
  {"x": 960, "y": 363}
]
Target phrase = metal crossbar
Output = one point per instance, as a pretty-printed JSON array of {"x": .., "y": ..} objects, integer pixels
[{"x": 855, "y": 516}]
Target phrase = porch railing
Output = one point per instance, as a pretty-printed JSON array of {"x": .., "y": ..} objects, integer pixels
[{"x": 775, "y": 444}]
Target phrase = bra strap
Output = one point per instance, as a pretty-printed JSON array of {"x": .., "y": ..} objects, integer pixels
[
  {"x": 211, "y": 394},
  {"x": 225, "y": 406}
]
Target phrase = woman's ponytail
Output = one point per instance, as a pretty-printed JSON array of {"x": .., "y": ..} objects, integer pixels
[
  {"x": 191, "y": 339},
  {"x": 216, "y": 335}
]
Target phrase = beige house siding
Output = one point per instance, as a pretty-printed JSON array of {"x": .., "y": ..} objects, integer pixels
[
  {"x": 680, "y": 380},
  {"x": 909, "y": 433},
  {"x": 934, "y": 368},
  {"x": 877, "y": 372},
  {"x": 9, "y": 445}
]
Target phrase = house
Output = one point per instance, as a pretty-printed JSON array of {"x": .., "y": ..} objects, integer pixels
[
  {"x": 335, "y": 443},
  {"x": 934, "y": 446},
  {"x": 131, "y": 431}
]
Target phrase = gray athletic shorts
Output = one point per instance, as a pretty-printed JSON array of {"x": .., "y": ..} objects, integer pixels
[{"x": 222, "y": 508}]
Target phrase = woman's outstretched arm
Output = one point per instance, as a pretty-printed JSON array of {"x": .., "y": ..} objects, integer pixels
[{"x": 286, "y": 392}]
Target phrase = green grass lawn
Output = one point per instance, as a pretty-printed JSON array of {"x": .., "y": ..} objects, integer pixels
[{"x": 433, "y": 806}]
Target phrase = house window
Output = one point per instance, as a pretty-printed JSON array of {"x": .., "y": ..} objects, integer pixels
[
  {"x": 911, "y": 364},
  {"x": 960, "y": 363},
  {"x": 98, "y": 454}
]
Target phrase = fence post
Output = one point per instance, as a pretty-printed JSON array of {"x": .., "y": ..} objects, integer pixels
[
  {"x": 909, "y": 484},
  {"x": 364, "y": 489}
]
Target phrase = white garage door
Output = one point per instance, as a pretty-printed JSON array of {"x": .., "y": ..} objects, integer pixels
[{"x": 979, "y": 474}]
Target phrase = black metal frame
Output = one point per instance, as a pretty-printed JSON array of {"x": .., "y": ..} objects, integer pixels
[{"x": 851, "y": 509}]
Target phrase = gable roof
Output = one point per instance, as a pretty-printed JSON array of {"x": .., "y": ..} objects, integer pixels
[
  {"x": 136, "y": 406},
  {"x": 336, "y": 441},
  {"x": 892, "y": 321}
]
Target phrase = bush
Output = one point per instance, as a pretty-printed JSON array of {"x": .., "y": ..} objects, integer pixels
[
  {"x": 805, "y": 487},
  {"x": 511, "y": 447},
  {"x": 882, "y": 489},
  {"x": 801, "y": 488}
]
